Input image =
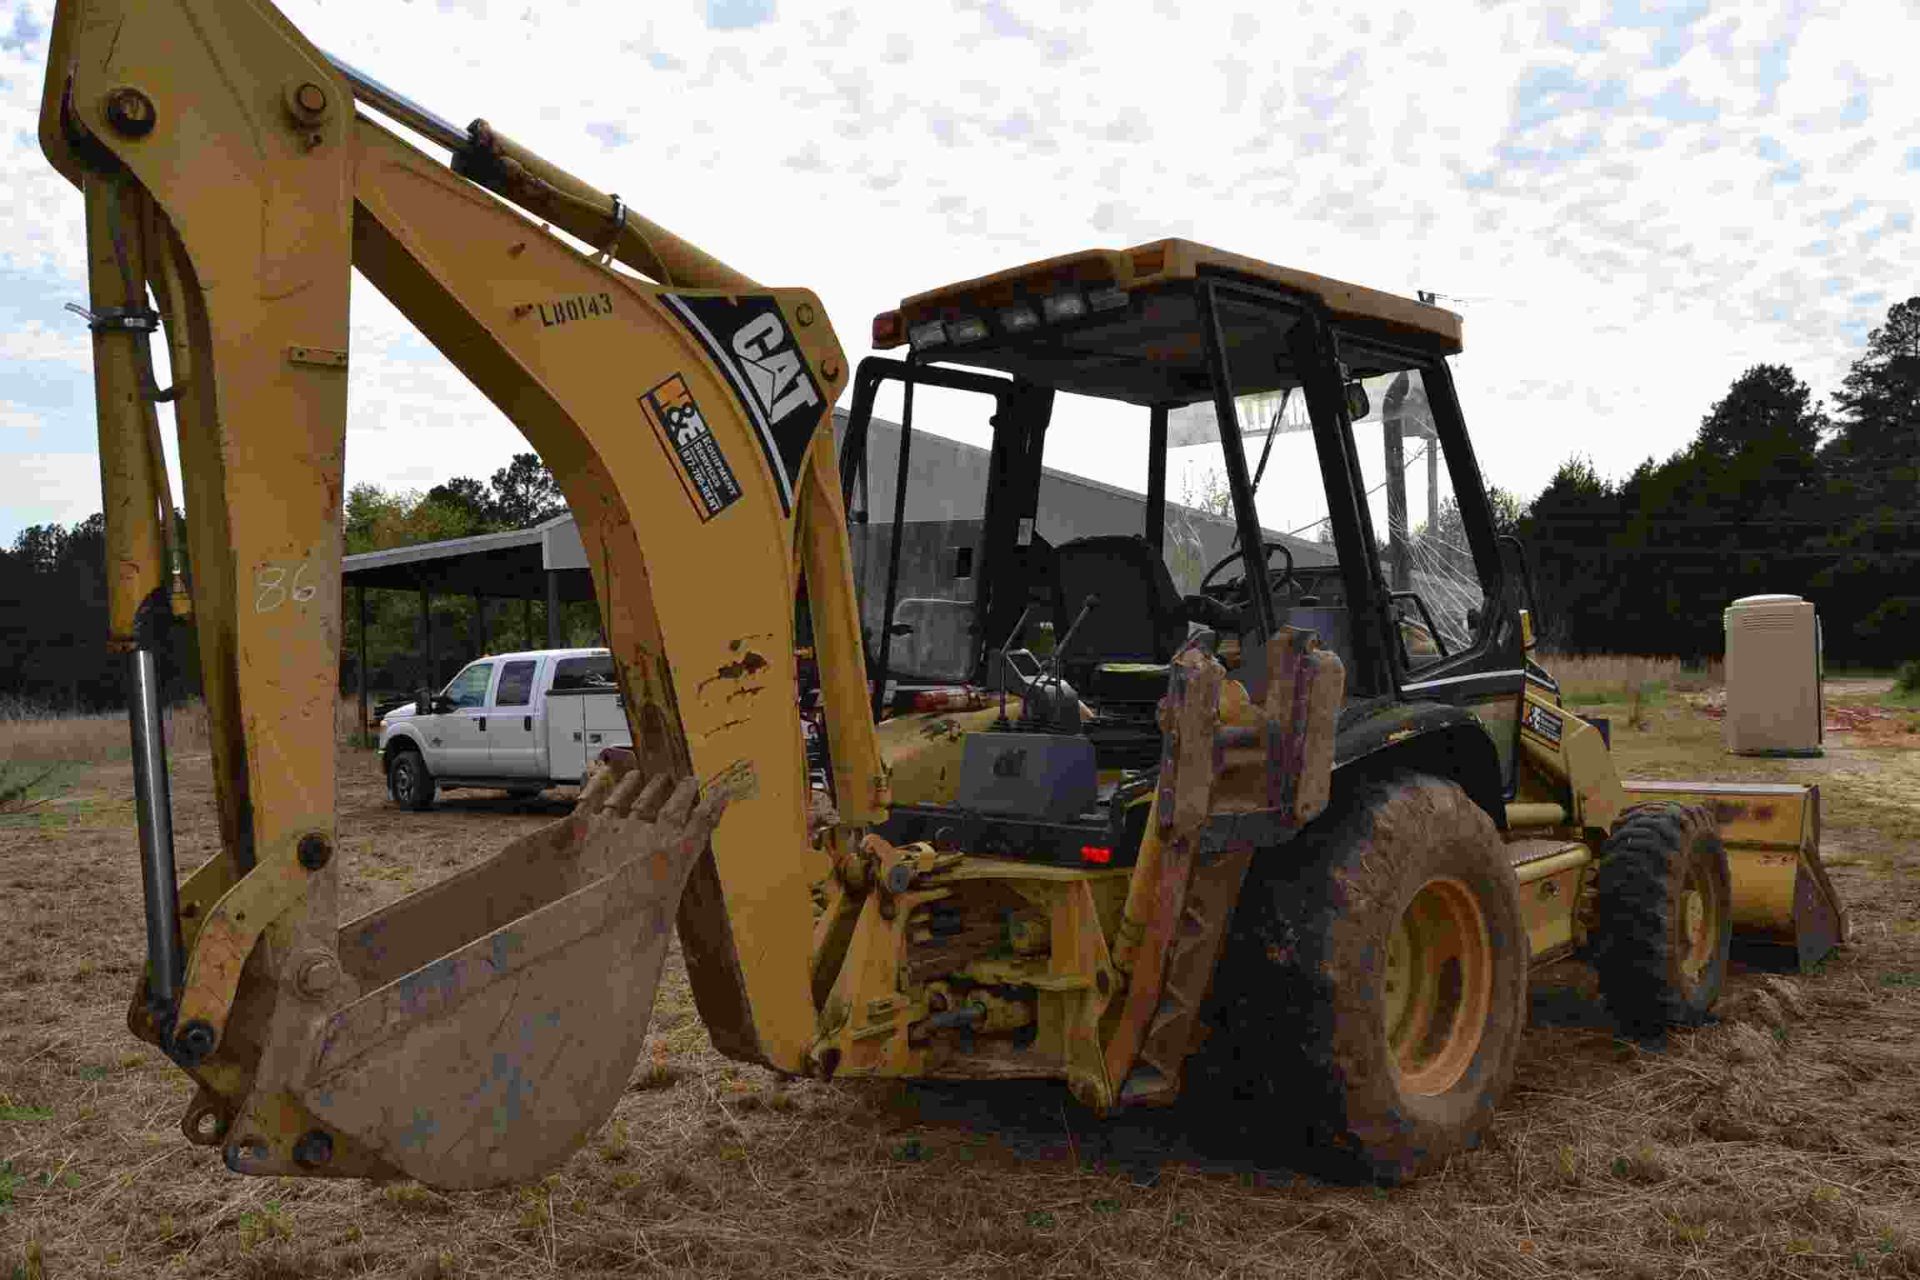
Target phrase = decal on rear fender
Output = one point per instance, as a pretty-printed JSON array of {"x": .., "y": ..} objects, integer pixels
[
  {"x": 677, "y": 422},
  {"x": 748, "y": 339},
  {"x": 1544, "y": 723}
]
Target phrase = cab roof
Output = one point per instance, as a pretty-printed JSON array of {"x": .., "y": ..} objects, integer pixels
[
  {"x": 1123, "y": 323},
  {"x": 543, "y": 653}
]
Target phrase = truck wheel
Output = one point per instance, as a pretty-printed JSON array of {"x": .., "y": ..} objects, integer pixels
[
  {"x": 408, "y": 780},
  {"x": 1372, "y": 993},
  {"x": 1665, "y": 918}
]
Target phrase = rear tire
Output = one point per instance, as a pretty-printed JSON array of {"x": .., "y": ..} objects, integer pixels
[
  {"x": 1372, "y": 993},
  {"x": 1665, "y": 917},
  {"x": 408, "y": 781}
]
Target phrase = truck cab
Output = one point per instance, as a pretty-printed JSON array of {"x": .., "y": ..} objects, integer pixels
[{"x": 517, "y": 722}]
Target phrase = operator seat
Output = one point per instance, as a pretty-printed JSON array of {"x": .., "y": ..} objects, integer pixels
[{"x": 1121, "y": 651}]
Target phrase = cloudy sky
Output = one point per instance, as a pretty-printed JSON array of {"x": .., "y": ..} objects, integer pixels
[{"x": 1629, "y": 202}]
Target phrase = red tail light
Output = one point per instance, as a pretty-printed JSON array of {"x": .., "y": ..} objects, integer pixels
[{"x": 957, "y": 698}]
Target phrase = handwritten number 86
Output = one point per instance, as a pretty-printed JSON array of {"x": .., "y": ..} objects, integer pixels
[{"x": 271, "y": 587}]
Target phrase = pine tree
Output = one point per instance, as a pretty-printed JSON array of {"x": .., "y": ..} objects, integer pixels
[
  {"x": 1873, "y": 466},
  {"x": 1878, "y": 447},
  {"x": 1757, "y": 446},
  {"x": 525, "y": 493}
]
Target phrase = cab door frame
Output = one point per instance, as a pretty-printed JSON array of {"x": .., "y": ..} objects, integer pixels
[
  {"x": 463, "y": 750},
  {"x": 1489, "y": 677},
  {"x": 1019, "y": 418},
  {"x": 514, "y": 740}
]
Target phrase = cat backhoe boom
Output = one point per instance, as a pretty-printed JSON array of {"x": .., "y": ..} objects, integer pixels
[{"x": 473, "y": 1032}]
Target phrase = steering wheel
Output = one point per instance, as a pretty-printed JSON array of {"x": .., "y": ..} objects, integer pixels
[{"x": 1209, "y": 588}]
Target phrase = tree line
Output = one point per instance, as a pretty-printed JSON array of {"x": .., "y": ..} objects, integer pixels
[
  {"x": 1776, "y": 492},
  {"x": 53, "y": 597}
]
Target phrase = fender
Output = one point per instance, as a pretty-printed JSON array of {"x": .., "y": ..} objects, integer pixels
[
  {"x": 402, "y": 733},
  {"x": 1450, "y": 742}
]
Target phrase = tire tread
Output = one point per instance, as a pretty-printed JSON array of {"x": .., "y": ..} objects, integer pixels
[
  {"x": 1641, "y": 871},
  {"x": 1295, "y": 1058}
]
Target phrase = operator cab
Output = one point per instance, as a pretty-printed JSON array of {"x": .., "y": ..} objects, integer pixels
[{"x": 1337, "y": 492}]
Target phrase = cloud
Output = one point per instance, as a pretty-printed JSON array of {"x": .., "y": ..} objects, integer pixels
[
  {"x": 17, "y": 425},
  {"x": 1628, "y": 195},
  {"x": 25, "y": 32},
  {"x": 609, "y": 134},
  {"x": 48, "y": 488},
  {"x": 38, "y": 341}
]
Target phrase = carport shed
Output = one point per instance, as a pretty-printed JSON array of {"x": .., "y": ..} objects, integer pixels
[{"x": 546, "y": 562}]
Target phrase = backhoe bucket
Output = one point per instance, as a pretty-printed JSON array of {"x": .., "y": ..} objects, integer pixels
[
  {"x": 1781, "y": 895},
  {"x": 491, "y": 1062}
]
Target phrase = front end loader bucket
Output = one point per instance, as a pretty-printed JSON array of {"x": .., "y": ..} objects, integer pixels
[{"x": 1781, "y": 895}]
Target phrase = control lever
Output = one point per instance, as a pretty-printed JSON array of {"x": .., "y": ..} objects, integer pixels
[
  {"x": 1087, "y": 606},
  {"x": 1013, "y": 635},
  {"x": 1060, "y": 650}
]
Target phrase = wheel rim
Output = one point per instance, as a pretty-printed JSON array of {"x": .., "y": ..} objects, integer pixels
[
  {"x": 1439, "y": 986},
  {"x": 1696, "y": 924},
  {"x": 403, "y": 782}
]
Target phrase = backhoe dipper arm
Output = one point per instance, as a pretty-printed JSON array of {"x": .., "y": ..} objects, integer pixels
[{"x": 476, "y": 1032}]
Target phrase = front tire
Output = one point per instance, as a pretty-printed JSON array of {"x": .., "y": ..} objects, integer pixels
[
  {"x": 408, "y": 781},
  {"x": 1372, "y": 993},
  {"x": 1665, "y": 917}
]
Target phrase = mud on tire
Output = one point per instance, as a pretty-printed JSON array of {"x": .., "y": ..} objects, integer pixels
[
  {"x": 1664, "y": 920},
  {"x": 1372, "y": 993}
]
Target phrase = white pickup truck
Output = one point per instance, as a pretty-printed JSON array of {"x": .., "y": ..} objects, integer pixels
[{"x": 517, "y": 722}]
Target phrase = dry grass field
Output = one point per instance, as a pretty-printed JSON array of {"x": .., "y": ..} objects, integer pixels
[{"x": 1780, "y": 1141}]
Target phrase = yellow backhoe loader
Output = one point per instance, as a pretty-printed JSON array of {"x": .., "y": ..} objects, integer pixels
[{"x": 1287, "y": 844}]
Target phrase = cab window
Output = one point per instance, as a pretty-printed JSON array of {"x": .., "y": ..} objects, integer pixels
[
  {"x": 469, "y": 688},
  {"x": 595, "y": 672},
  {"x": 1439, "y": 602},
  {"x": 516, "y": 684}
]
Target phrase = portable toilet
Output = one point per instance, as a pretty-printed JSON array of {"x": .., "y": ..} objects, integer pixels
[{"x": 1773, "y": 677}]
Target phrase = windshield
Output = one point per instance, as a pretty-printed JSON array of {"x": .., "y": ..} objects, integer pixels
[
  {"x": 469, "y": 688},
  {"x": 1409, "y": 494},
  {"x": 1414, "y": 511},
  {"x": 1277, "y": 438}
]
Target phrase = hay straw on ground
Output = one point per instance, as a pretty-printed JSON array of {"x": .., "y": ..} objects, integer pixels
[
  {"x": 32, "y": 733},
  {"x": 1615, "y": 677},
  {"x": 1777, "y": 1143}
]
